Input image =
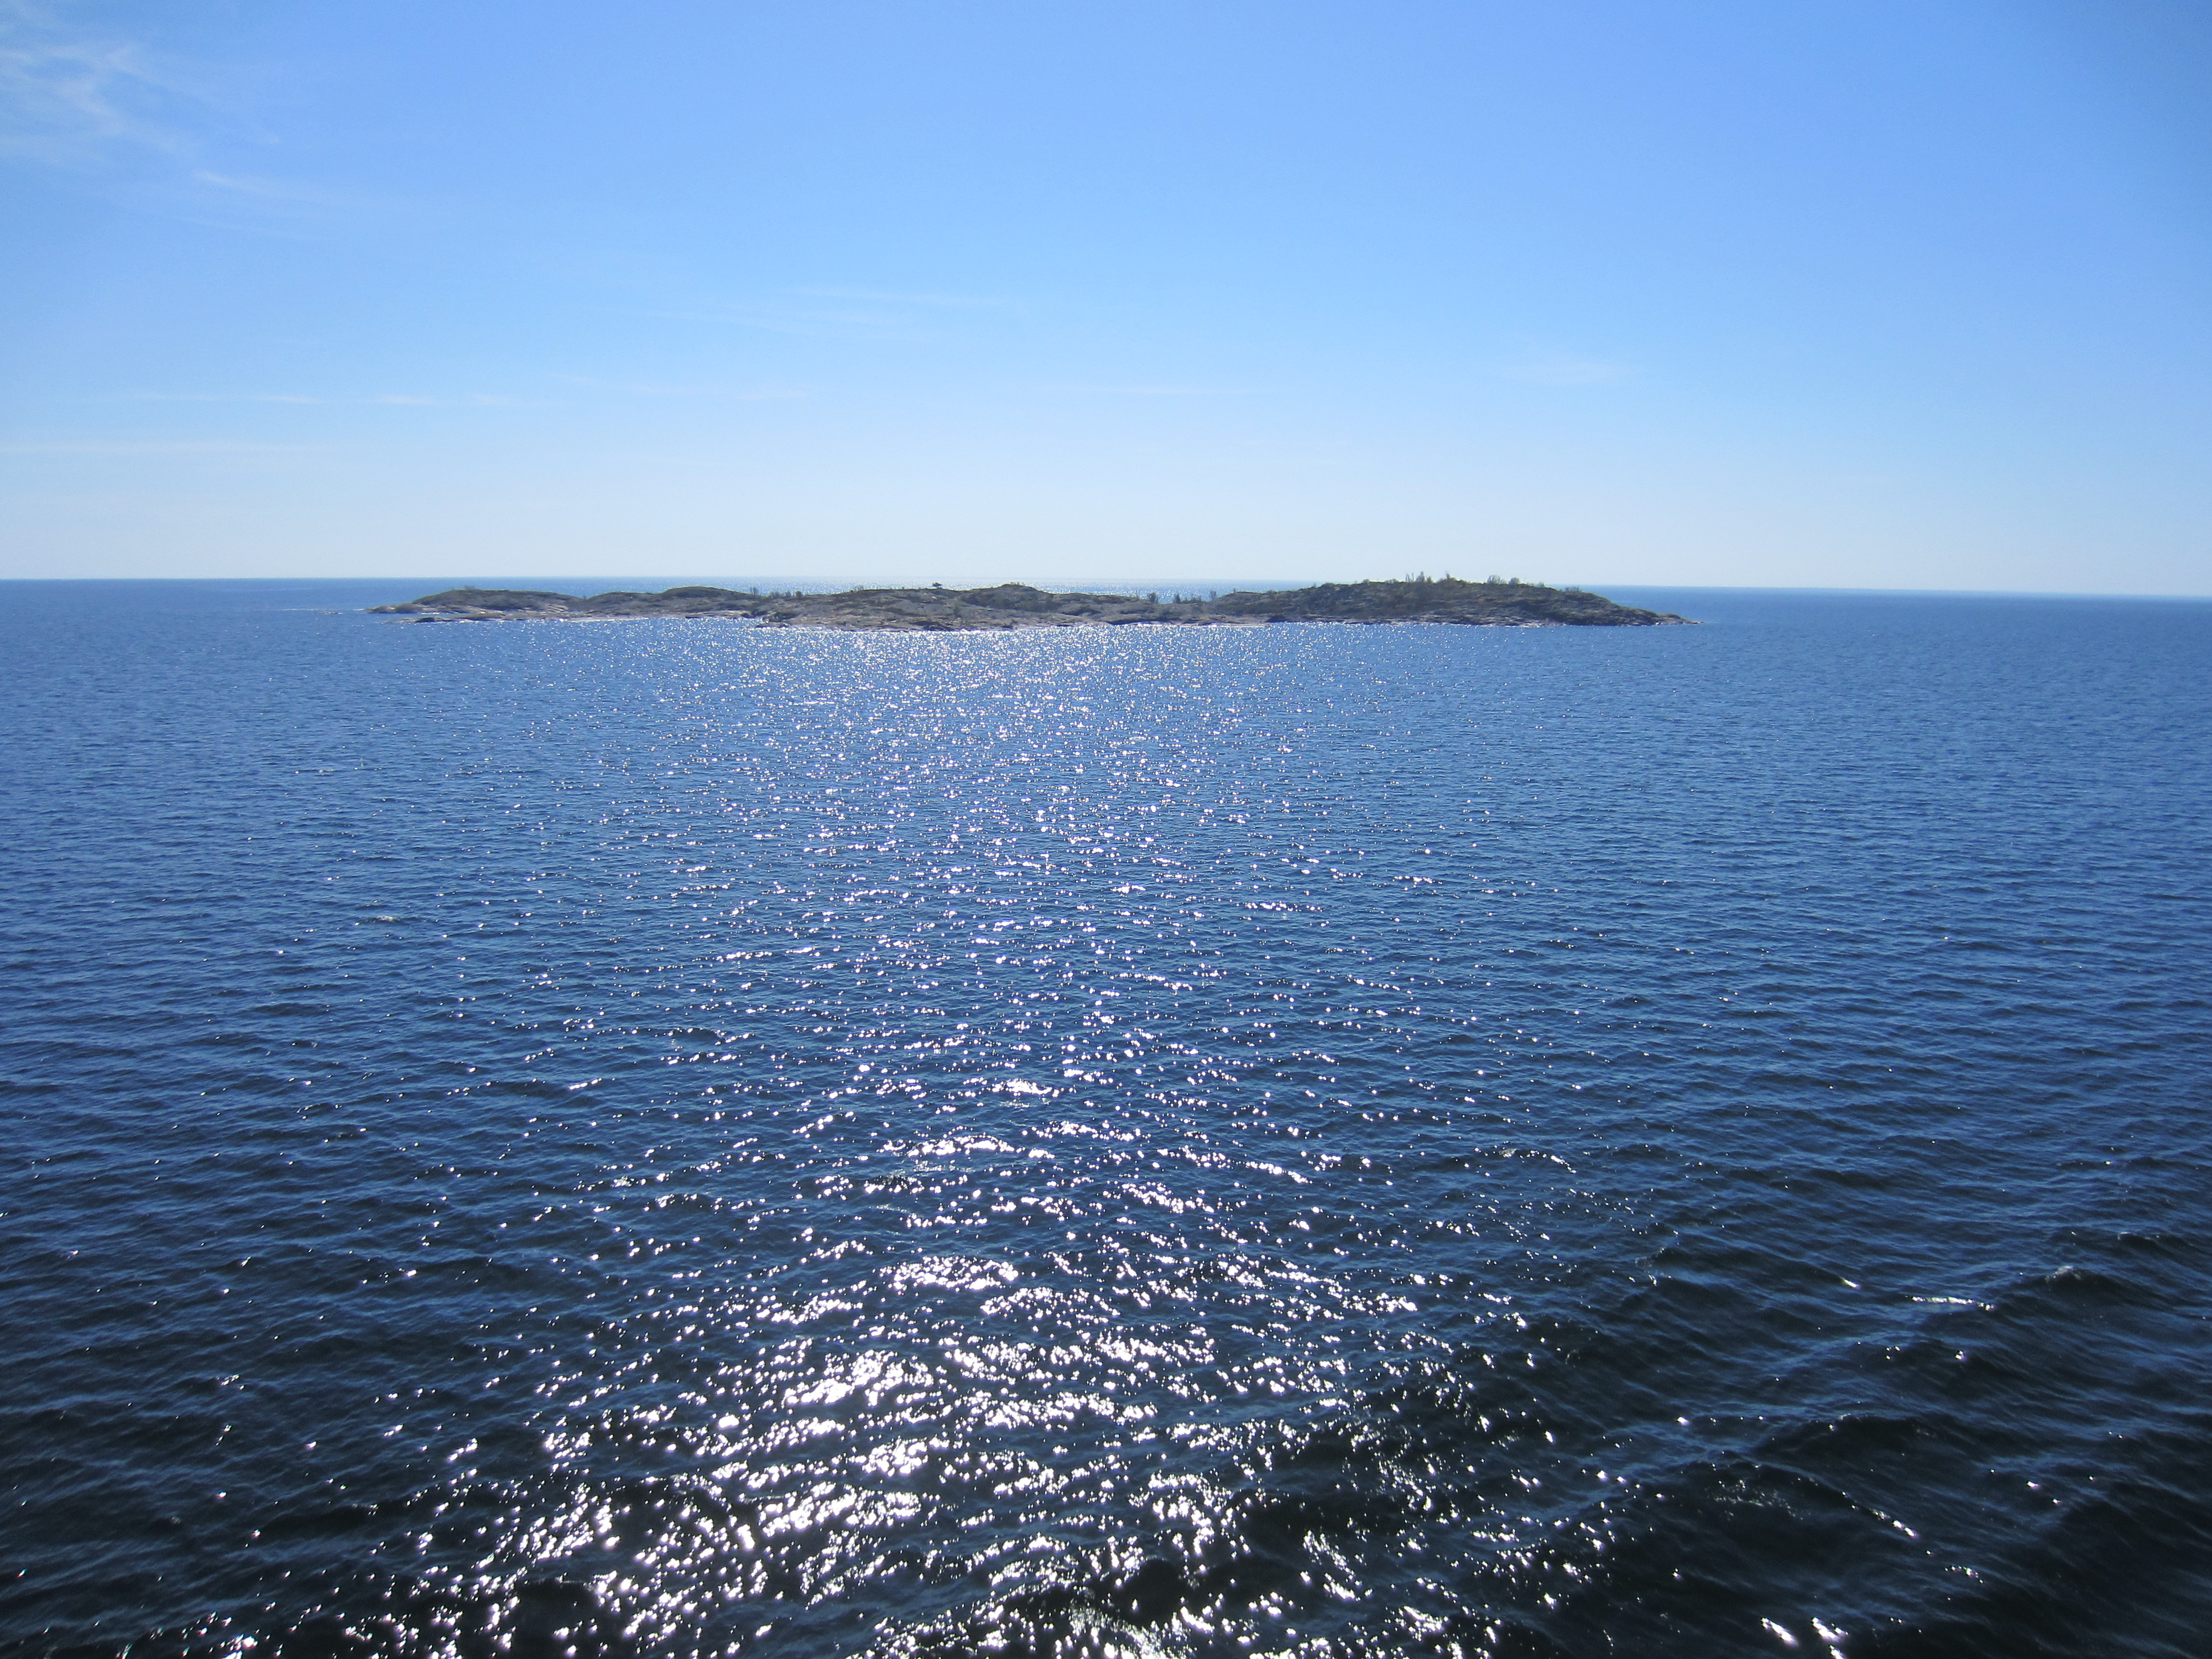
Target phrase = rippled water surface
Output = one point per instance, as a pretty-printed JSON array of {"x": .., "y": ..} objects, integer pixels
[{"x": 660, "y": 1138}]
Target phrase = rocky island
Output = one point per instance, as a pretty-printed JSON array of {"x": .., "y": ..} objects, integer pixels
[{"x": 1497, "y": 603}]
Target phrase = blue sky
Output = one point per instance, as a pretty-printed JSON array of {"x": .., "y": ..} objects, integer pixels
[{"x": 1792, "y": 293}]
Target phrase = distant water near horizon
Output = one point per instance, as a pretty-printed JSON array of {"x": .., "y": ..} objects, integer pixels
[{"x": 667, "y": 1139}]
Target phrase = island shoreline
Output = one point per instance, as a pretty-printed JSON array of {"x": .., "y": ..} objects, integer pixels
[{"x": 1012, "y": 606}]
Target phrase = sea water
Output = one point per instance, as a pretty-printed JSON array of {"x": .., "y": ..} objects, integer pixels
[{"x": 665, "y": 1138}]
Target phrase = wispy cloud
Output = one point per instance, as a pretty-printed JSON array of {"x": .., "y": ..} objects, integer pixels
[
  {"x": 387, "y": 399},
  {"x": 280, "y": 195},
  {"x": 1162, "y": 389},
  {"x": 845, "y": 314},
  {"x": 73, "y": 98},
  {"x": 651, "y": 389},
  {"x": 1569, "y": 371},
  {"x": 473, "y": 400},
  {"x": 287, "y": 208},
  {"x": 892, "y": 296},
  {"x": 215, "y": 398},
  {"x": 115, "y": 107},
  {"x": 97, "y": 446},
  {"x": 813, "y": 322}
]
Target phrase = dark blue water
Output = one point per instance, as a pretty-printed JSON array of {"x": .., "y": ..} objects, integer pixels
[{"x": 658, "y": 1137}]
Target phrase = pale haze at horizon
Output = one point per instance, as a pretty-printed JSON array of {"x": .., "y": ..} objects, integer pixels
[{"x": 1698, "y": 294}]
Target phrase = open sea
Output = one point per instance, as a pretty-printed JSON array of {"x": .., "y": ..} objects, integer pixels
[{"x": 665, "y": 1138}]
